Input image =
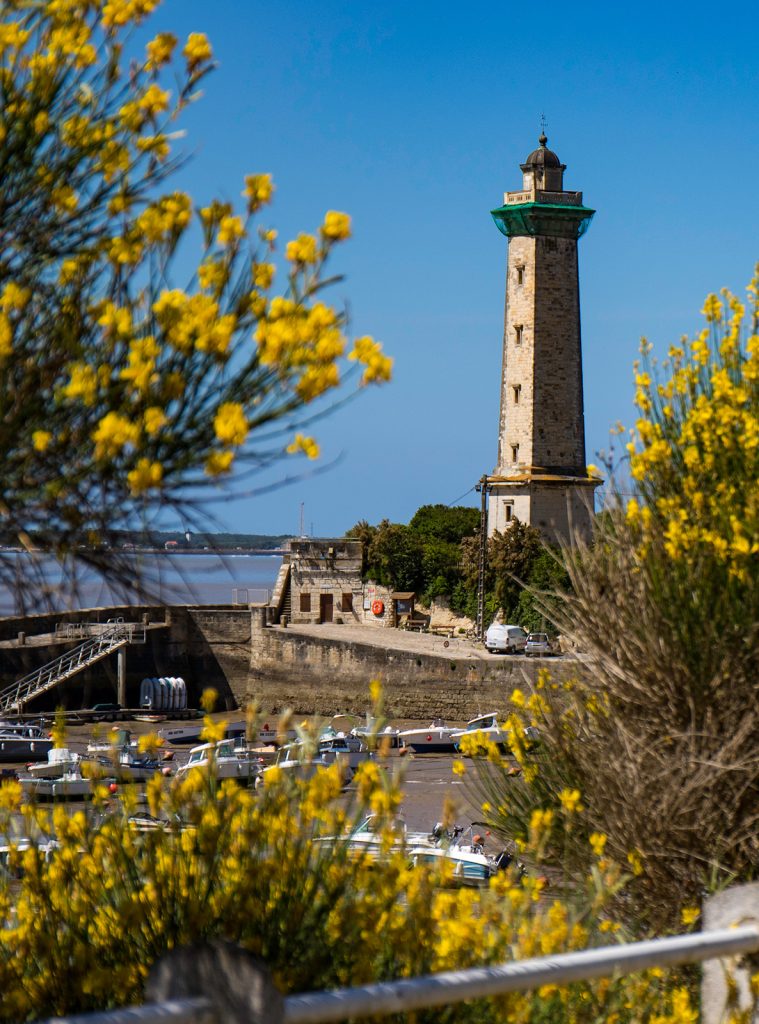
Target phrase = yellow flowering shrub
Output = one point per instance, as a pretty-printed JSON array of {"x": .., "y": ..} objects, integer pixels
[
  {"x": 273, "y": 870},
  {"x": 119, "y": 389},
  {"x": 657, "y": 731}
]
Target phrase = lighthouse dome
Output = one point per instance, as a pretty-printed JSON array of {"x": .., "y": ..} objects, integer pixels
[{"x": 542, "y": 157}]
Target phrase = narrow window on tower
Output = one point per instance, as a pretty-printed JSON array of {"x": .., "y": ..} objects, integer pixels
[
  {"x": 518, "y": 330},
  {"x": 520, "y": 275},
  {"x": 515, "y": 453},
  {"x": 508, "y": 509},
  {"x": 517, "y": 388}
]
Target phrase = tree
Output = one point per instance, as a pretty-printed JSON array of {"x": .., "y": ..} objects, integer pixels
[
  {"x": 121, "y": 392},
  {"x": 395, "y": 557},
  {"x": 445, "y": 522}
]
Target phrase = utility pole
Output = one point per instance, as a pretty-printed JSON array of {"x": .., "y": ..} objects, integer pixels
[
  {"x": 302, "y": 519},
  {"x": 482, "y": 561}
]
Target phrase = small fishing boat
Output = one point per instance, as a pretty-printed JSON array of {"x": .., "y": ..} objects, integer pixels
[
  {"x": 126, "y": 765},
  {"x": 228, "y": 760},
  {"x": 59, "y": 761},
  {"x": 70, "y": 786},
  {"x": 115, "y": 739},
  {"x": 435, "y": 739},
  {"x": 387, "y": 741},
  {"x": 22, "y": 741},
  {"x": 490, "y": 729}
]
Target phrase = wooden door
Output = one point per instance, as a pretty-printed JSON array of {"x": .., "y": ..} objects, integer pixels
[{"x": 325, "y": 607}]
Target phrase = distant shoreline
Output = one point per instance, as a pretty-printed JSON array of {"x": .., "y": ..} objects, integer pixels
[{"x": 165, "y": 551}]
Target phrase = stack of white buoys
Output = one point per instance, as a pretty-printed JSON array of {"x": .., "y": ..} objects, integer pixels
[{"x": 167, "y": 693}]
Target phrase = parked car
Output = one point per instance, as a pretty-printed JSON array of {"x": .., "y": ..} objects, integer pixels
[
  {"x": 539, "y": 645},
  {"x": 509, "y": 639}
]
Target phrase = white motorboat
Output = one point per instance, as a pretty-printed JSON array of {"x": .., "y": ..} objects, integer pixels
[
  {"x": 349, "y": 750},
  {"x": 115, "y": 739},
  {"x": 268, "y": 735},
  {"x": 22, "y": 741},
  {"x": 435, "y": 739},
  {"x": 229, "y": 761},
  {"x": 126, "y": 765},
  {"x": 59, "y": 761},
  {"x": 387, "y": 741},
  {"x": 70, "y": 786},
  {"x": 490, "y": 729}
]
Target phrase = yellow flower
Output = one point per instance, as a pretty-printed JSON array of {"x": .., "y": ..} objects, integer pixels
[
  {"x": 304, "y": 444},
  {"x": 218, "y": 463},
  {"x": 598, "y": 843},
  {"x": 689, "y": 915},
  {"x": 14, "y": 298},
  {"x": 570, "y": 800},
  {"x": 153, "y": 419},
  {"x": 41, "y": 439},
  {"x": 458, "y": 767},
  {"x": 258, "y": 190},
  {"x": 230, "y": 424},
  {"x": 160, "y": 49},
  {"x": 197, "y": 50},
  {"x": 230, "y": 230},
  {"x": 113, "y": 433},
  {"x": 368, "y": 352},
  {"x": 635, "y": 860},
  {"x": 302, "y": 250},
  {"x": 263, "y": 275},
  {"x": 336, "y": 226},
  {"x": 145, "y": 476}
]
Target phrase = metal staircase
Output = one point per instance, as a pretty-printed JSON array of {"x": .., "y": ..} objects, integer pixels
[{"x": 109, "y": 637}]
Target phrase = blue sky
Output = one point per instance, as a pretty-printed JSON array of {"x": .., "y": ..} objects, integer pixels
[{"x": 414, "y": 119}]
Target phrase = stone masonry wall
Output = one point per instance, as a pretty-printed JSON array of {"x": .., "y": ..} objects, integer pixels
[
  {"x": 558, "y": 426},
  {"x": 326, "y": 677}
]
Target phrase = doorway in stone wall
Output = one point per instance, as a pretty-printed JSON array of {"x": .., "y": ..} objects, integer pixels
[{"x": 326, "y": 602}]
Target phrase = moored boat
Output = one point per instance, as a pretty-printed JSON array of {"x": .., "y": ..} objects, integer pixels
[
  {"x": 435, "y": 739},
  {"x": 23, "y": 741},
  {"x": 228, "y": 760}
]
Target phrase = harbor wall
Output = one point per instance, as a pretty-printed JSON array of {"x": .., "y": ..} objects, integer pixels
[
  {"x": 233, "y": 651},
  {"x": 327, "y": 676}
]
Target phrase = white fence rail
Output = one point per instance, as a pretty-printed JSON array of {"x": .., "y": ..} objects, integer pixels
[{"x": 449, "y": 987}]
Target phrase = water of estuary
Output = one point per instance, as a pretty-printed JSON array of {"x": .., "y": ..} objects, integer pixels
[{"x": 30, "y": 583}]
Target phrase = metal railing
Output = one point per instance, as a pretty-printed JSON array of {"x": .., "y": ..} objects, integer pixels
[
  {"x": 112, "y": 636},
  {"x": 384, "y": 998}
]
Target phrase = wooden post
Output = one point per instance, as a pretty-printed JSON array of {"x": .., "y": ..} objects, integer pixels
[
  {"x": 121, "y": 676},
  {"x": 238, "y": 984}
]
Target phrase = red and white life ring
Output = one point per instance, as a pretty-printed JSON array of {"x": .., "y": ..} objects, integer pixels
[{"x": 378, "y": 607}]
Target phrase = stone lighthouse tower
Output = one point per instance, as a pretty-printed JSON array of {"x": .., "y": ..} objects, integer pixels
[{"x": 541, "y": 477}]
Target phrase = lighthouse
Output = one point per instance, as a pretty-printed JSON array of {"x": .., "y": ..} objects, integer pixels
[{"x": 541, "y": 476}]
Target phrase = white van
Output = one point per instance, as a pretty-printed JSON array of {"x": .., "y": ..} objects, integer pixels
[{"x": 501, "y": 637}]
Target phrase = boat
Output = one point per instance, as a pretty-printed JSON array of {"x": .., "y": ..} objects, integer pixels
[
  {"x": 126, "y": 765},
  {"x": 23, "y": 741},
  {"x": 490, "y": 729},
  {"x": 267, "y": 735},
  {"x": 435, "y": 739},
  {"x": 229, "y": 761},
  {"x": 292, "y": 760},
  {"x": 115, "y": 739},
  {"x": 59, "y": 761},
  {"x": 349, "y": 750},
  {"x": 72, "y": 785},
  {"x": 462, "y": 863},
  {"x": 387, "y": 741}
]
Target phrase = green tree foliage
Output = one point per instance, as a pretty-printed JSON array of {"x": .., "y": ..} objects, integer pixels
[
  {"x": 446, "y": 523},
  {"x": 437, "y": 555}
]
